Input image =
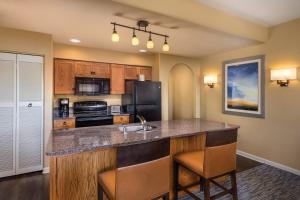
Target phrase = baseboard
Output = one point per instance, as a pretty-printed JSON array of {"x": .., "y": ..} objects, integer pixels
[
  {"x": 268, "y": 162},
  {"x": 46, "y": 170}
]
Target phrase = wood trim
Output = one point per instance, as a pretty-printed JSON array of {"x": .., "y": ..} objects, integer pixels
[{"x": 140, "y": 153}]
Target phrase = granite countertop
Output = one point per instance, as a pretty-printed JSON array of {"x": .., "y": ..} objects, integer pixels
[{"x": 77, "y": 140}]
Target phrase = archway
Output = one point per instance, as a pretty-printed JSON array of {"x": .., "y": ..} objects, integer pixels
[{"x": 181, "y": 92}]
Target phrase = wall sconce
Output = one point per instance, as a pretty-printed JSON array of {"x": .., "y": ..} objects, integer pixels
[
  {"x": 210, "y": 80},
  {"x": 283, "y": 76}
]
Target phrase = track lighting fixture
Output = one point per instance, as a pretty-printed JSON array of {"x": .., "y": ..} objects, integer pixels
[
  {"x": 134, "y": 41},
  {"x": 115, "y": 36},
  {"x": 166, "y": 46},
  {"x": 141, "y": 27}
]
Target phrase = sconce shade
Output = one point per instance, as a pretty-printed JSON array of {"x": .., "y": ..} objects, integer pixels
[
  {"x": 210, "y": 79},
  {"x": 283, "y": 74}
]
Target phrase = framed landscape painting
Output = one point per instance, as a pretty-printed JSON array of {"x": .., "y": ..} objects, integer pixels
[{"x": 243, "y": 86}]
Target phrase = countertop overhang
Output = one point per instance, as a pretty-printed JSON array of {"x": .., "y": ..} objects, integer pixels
[{"x": 78, "y": 140}]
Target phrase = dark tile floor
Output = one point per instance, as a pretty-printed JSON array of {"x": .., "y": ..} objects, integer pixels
[{"x": 34, "y": 186}]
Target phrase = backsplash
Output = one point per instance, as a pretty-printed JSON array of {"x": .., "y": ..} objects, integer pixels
[{"x": 110, "y": 99}]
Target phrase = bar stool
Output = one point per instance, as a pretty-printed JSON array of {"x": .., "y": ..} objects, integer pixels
[
  {"x": 216, "y": 160},
  {"x": 142, "y": 173}
]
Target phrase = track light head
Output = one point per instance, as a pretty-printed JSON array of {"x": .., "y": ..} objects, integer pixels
[
  {"x": 166, "y": 47},
  {"x": 134, "y": 41},
  {"x": 115, "y": 36}
]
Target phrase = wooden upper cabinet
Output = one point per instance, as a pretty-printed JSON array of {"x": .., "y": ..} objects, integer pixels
[
  {"x": 101, "y": 70},
  {"x": 64, "y": 78},
  {"x": 131, "y": 73},
  {"x": 117, "y": 80},
  {"x": 147, "y": 71},
  {"x": 83, "y": 68}
]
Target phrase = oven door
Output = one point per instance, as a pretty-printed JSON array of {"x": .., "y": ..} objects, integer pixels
[
  {"x": 93, "y": 121},
  {"x": 92, "y": 86}
]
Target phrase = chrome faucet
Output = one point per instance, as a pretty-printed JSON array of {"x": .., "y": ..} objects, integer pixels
[{"x": 143, "y": 121}]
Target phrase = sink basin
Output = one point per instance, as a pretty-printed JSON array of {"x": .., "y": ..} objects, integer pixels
[
  {"x": 131, "y": 128},
  {"x": 136, "y": 128}
]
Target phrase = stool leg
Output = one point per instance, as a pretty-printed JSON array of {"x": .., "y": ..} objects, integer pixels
[
  {"x": 100, "y": 193},
  {"x": 166, "y": 196},
  {"x": 206, "y": 190},
  {"x": 233, "y": 185},
  {"x": 175, "y": 179},
  {"x": 201, "y": 184}
]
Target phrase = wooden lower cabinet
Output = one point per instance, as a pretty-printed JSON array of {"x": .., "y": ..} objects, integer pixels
[
  {"x": 117, "y": 80},
  {"x": 75, "y": 176},
  {"x": 59, "y": 124},
  {"x": 121, "y": 119}
]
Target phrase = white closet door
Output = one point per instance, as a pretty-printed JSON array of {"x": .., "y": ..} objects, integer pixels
[
  {"x": 29, "y": 141},
  {"x": 7, "y": 113}
]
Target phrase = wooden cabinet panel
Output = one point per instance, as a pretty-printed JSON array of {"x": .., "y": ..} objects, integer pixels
[
  {"x": 121, "y": 119},
  {"x": 101, "y": 70},
  {"x": 131, "y": 72},
  {"x": 117, "y": 80},
  {"x": 83, "y": 68},
  {"x": 64, "y": 78},
  {"x": 147, "y": 71},
  {"x": 63, "y": 124}
]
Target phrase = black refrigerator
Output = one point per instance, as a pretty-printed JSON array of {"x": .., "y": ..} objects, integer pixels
[{"x": 142, "y": 98}]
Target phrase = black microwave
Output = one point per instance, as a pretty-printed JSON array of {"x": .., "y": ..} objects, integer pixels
[{"x": 91, "y": 86}]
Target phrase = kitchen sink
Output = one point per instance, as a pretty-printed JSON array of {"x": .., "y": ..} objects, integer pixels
[{"x": 136, "y": 128}]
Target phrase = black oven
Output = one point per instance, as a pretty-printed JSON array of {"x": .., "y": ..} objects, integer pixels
[{"x": 91, "y": 86}]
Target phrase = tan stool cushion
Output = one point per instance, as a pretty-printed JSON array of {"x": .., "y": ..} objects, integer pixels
[
  {"x": 108, "y": 182},
  {"x": 192, "y": 160}
]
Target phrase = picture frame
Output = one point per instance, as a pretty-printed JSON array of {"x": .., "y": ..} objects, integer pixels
[{"x": 244, "y": 87}]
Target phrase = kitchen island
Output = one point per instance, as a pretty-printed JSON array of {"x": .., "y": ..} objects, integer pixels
[{"x": 78, "y": 155}]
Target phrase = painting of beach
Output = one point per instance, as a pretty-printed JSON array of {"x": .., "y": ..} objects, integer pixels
[{"x": 243, "y": 87}]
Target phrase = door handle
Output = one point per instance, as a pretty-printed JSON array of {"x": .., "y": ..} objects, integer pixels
[{"x": 29, "y": 105}]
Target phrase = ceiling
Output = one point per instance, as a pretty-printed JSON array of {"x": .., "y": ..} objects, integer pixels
[
  {"x": 265, "y": 12},
  {"x": 90, "y": 20}
]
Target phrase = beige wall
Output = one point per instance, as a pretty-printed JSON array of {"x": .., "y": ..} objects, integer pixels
[
  {"x": 99, "y": 55},
  {"x": 277, "y": 137},
  {"x": 181, "y": 95},
  {"x": 26, "y": 42},
  {"x": 166, "y": 63}
]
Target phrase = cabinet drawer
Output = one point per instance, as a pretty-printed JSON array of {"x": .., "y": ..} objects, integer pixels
[
  {"x": 63, "y": 124},
  {"x": 121, "y": 119}
]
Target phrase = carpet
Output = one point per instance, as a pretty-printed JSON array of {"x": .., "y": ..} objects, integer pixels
[{"x": 263, "y": 182}]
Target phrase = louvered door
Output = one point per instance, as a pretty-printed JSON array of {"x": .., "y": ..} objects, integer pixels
[
  {"x": 29, "y": 140},
  {"x": 7, "y": 113}
]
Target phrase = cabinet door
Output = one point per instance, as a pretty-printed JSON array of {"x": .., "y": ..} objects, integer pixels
[
  {"x": 131, "y": 73},
  {"x": 64, "y": 79},
  {"x": 101, "y": 70},
  {"x": 117, "y": 80},
  {"x": 83, "y": 68},
  {"x": 29, "y": 140},
  {"x": 7, "y": 113},
  {"x": 147, "y": 71}
]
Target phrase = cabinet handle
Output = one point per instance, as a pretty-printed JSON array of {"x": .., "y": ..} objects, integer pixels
[
  {"x": 29, "y": 105},
  {"x": 93, "y": 73},
  {"x": 65, "y": 123}
]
